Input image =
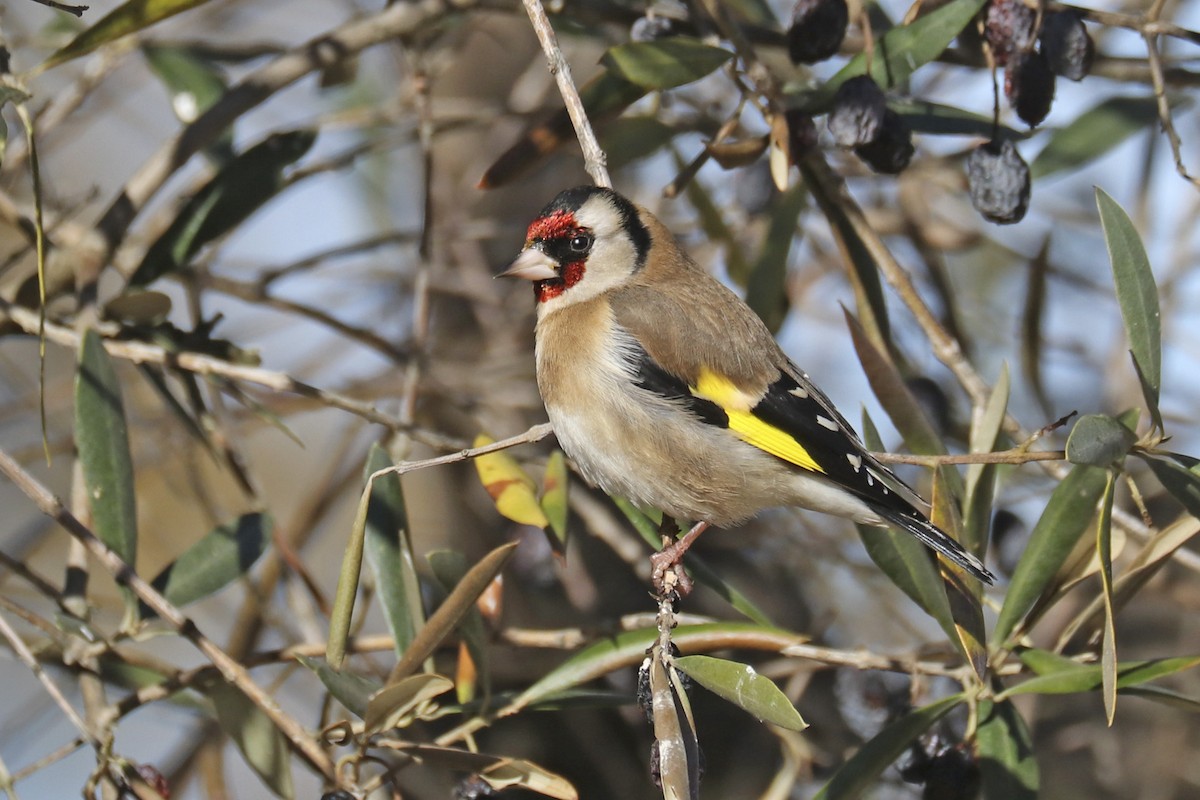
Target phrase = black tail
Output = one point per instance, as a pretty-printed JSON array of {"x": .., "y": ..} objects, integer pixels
[{"x": 931, "y": 536}]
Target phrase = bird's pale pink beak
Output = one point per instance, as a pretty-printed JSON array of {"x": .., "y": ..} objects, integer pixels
[{"x": 532, "y": 265}]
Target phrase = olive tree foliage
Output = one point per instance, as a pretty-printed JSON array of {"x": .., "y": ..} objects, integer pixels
[{"x": 282, "y": 516}]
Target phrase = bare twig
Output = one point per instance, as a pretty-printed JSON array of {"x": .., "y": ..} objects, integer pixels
[
  {"x": 255, "y": 292},
  {"x": 534, "y": 434},
  {"x": 124, "y": 575},
  {"x": 1014, "y": 456},
  {"x": 25, "y": 655},
  {"x": 593, "y": 157},
  {"x": 201, "y": 364},
  {"x": 862, "y": 659},
  {"x": 1145, "y": 25},
  {"x": 76, "y": 10},
  {"x": 398, "y": 19},
  {"x": 1164, "y": 106}
]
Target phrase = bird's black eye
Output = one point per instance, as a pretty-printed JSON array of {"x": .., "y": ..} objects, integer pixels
[{"x": 581, "y": 243}]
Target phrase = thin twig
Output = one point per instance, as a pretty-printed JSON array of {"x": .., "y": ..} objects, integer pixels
[
  {"x": 76, "y": 10},
  {"x": 862, "y": 659},
  {"x": 254, "y": 292},
  {"x": 396, "y": 20},
  {"x": 26, "y": 657},
  {"x": 593, "y": 157},
  {"x": 1014, "y": 456},
  {"x": 201, "y": 364},
  {"x": 1164, "y": 106},
  {"x": 534, "y": 434},
  {"x": 125, "y": 575}
]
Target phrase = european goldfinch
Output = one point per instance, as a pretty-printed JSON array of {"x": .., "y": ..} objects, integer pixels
[{"x": 666, "y": 389}]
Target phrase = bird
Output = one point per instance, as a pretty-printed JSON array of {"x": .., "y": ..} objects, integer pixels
[{"x": 665, "y": 388}]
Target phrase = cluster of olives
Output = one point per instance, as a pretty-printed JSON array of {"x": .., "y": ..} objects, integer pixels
[{"x": 1032, "y": 58}]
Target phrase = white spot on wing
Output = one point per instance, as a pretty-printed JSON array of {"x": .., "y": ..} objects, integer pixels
[
  {"x": 826, "y": 422},
  {"x": 877, "y": 477},
  {"x": 855, "y": 461},
  {"x": 800, "y": 392}
]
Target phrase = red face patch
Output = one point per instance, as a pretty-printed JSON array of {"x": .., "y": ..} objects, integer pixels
[
  {"x": 549, "y": 289},
  {"x": 551, "y": 226}
]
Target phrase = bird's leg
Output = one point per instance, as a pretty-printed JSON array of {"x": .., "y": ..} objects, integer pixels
[{"x": 670, "y": 558}]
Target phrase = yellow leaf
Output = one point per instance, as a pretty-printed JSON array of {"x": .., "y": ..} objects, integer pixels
[
  {"x": 554, "y": 496},
  {"x": 511, "y": 488}
]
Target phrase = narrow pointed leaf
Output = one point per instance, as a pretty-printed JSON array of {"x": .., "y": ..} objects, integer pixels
[
  {"x": 981, "y": 478},
  {"x": 628, "y": 139},
  {"x": 344, "y": 596},
  {"x": 741, "y": 685},
  {"x": 510, "y": 773},
  {"x": 712, "y": 222},
  {"x": 863, "y": 769},
  {"x": 629, "y": 648},
  {"x": 845, "y": 220},
  {"x": 1045, "y": 662},
  {"x": 1069, "y": 677},
  {"x": 389, "y": 553},
  {"x": 260, "y": 742},
  {"x": 664, "y": 63},
  {"x": 1179, "y": 475},
  {"x": 450, "y": 567},
  {"x": 962, "y": 592},
  {"x": 1145, "y": 565},
  {"x": 1137, "y": 291},
  {"x": 1067, "y": 514},
  {"x": 905, "y": 48},
  {"x": 1099, "y": 440},
  {"x": 1032, "y": 318},
  {"x": 498, "y": 771},
  {"x": 909, "y": 564},
  {"x": 130, "y": 17},
  {"x": 242, "y": 187},
  {"x": 194, "y": 83},
  {"x": 448, "y": 615},
  {"x": 1165, "y": 697},
  {"x": 923, "y": 116},
  {"x": 223, "y": 555},
  {"x": 394, "y": 704},
  {"x": 102, "y": 440},
  {"x": 604, "y": 97},
  {"x": 352, "y": 691},
  {"x": 902, "y": 407},
  {"x": 510, "y": 486},
  {"x": 1108, "y": 647},
  {"x": 766, "y": 288},
  {"x": 1007, "y": 761},
  {"x": 1094, "y": 133}
]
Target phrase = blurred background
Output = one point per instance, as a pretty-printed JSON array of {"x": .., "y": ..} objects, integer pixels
[{"x": 352, "y": 281}]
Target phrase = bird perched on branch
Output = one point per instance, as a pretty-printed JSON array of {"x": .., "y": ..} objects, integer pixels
[{"x": 666, "y": 389}]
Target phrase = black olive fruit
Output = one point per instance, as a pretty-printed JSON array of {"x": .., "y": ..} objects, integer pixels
[
  {"x": 998, "y": 181},
  {"x": 817, "y": 30}
]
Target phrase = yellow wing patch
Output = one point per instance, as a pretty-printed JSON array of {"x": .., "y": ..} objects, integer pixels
[{"x": 737, "y": 406}]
